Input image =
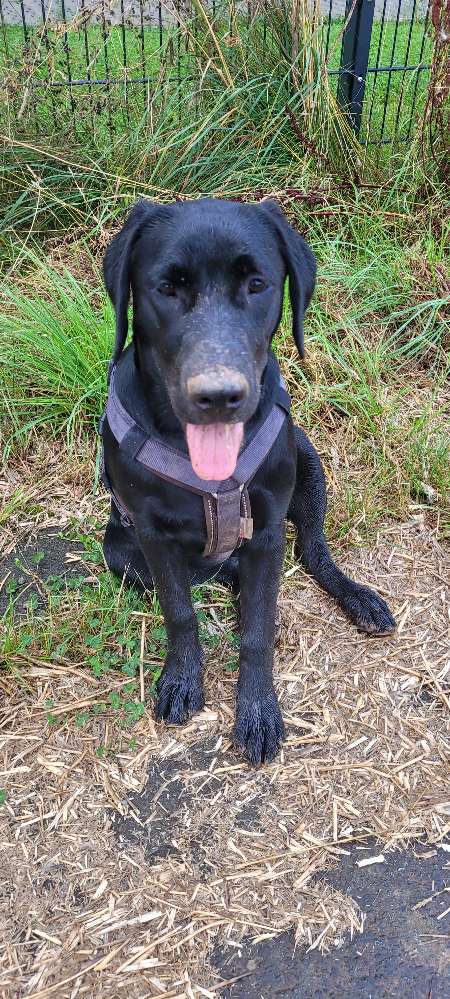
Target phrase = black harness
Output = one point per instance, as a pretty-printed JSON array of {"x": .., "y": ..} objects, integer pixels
[{"x": 227, "y": 504}]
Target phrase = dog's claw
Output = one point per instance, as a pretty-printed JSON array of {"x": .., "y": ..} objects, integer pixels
[
  {"x": 179, "y": 695},
  {"x": 367, "y": 610},
  {"x": 259, "y": 728}
]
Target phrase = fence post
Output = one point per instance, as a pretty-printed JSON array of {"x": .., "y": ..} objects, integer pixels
[{"x": 354, "y": 59}]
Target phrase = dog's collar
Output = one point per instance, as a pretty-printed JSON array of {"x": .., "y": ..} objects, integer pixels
[{"x": 227, "y": 505}]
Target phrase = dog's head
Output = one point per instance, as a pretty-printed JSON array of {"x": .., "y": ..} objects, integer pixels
[{"x": 207, "y": 280}]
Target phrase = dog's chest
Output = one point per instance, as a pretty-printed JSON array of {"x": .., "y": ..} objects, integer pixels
[{"x": 178, "y": 515}]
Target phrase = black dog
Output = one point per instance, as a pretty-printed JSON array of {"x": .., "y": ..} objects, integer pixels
[{"x": 199, "y": 378}]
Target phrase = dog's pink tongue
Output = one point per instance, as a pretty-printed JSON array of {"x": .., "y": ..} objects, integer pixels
[{"x": 214, "y": 449}]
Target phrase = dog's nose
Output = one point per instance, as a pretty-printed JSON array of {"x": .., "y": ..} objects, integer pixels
[{"x": 221, "y": 390}]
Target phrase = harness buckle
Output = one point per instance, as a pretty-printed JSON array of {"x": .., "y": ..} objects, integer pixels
[{"x": 246, "y": 528}]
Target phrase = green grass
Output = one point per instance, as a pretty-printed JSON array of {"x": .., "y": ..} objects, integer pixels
[
  {"x": 243, "y": 128},
  {"x": 90, "y": 108},
  {"x": 236, "y": 139},
  {"x": 98, "y": 618},
  {"x": 403, "y": 94},
  {"x": 96, "y": 627},
  {"x": 56, "y": 345},
  {"x": 87, "y": 53},
  {"x": 92, "y": 623}
]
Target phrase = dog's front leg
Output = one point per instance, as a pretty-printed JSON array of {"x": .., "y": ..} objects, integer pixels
[
  {"x": 259, "y": 728},
  {"x": 180, "y": 688}
]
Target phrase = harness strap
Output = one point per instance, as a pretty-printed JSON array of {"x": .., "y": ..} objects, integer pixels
[{"x": 226, "y": 504}]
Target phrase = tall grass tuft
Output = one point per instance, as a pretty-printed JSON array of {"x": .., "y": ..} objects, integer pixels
[
  {"x": 55, "y": 340},
  {"x": 252, "y": 110}
]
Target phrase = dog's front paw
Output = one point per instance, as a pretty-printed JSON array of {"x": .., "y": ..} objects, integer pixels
[
  {"x": 259, "y": 728},
  {"x": 179, "y": 692},
  {"x": 367, "y": 610}
]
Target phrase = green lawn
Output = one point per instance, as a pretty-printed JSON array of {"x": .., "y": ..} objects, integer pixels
[
  {"x": 403, "y": 93},
  {"x": 85, "y": 53}
]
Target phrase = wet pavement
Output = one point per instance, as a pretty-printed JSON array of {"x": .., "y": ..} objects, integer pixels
[{"x": 404, "y": 950}]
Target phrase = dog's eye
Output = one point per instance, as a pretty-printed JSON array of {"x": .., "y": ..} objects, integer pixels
[
  {"x": 255, "y": 285},
  {"x": 166, "y": 288}
]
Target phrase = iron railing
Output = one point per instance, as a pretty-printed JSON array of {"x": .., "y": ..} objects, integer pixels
[{"x": 94, "y": 58}]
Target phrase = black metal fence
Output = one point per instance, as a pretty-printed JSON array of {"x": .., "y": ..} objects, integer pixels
[{"x": 103, "y": 59}]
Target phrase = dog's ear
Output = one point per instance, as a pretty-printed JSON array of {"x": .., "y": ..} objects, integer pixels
[
  {"x": 116, "y": 267},
  {"x": 300, "y": 266}
]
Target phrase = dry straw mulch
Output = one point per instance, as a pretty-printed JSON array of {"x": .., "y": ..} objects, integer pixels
[
  {"x": 108, "y": 891},
  {"x": 41, "y": 488}
]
